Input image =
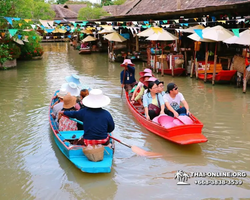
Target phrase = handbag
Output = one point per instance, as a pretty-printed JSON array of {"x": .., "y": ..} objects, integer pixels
[{"x": 154, "y": 107}]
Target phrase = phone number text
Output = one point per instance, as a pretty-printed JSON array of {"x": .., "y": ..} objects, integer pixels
[{"x": 218, "y": 182}]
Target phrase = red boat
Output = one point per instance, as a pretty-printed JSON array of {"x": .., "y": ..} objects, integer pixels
[
  {"x": 176, "y": 72},
  {"x": 222, "y": 77},
  {"x": 181, "y": 134}
]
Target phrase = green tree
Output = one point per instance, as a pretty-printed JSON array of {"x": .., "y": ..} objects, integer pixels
[
  {"x": 4, "y": 53},
  {"x": 107, "y": 2},
  {"x": 119, "y": 2},
  {"x": 91, "y": 13},
  {"x": 33, "y": 9},
  {"x": 61, "y": 1},
  {"x": 6, "y": 8}
]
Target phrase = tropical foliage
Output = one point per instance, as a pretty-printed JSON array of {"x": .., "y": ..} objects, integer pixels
[
  {"x": 28, "y": 9},
  {"x": 119, "y": 2},
  {"x": 4, "y": 53},
  {"x": 33, "y": 47},
  {"x": 91, "y": 12}
]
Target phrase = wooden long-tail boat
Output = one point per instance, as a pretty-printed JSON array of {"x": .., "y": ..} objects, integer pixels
[
  {"x": 181, "y": 134},
  {"x": 85, "y": 51},
  {"x": 74, "y": 153},
  {"x": 176, "y": 71},
  {"x": 224, "y": 76}
]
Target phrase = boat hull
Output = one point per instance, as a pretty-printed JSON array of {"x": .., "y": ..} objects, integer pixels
[
  {"x": 182, "y": 134},
  {"x": 177, "y": 71},
  {"x": 74, "y": 152}
]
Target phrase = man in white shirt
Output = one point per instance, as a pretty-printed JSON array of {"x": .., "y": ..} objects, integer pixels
[{"x": 173, "y": 98}]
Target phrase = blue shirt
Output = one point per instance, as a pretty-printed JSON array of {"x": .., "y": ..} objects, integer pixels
[
  {"x": 129, "y": 75},
  {"x": 147, "y": 99},
  {"x": 97, "y": 122}
]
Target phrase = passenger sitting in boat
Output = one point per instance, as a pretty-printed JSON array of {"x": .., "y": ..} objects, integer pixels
[
  {"x": 72, "y": 88},
  {"x": 160, "y": 85},
  {"x": 65, "y": 124},
  {"x": 140, "y": 84},
  {"x": 172, "y": 100},
  {"x": 144, "y": 88},
  {"x": 97, "y": 121},
  {"x": 127, "y": 76},
  {"x": 83, "y": 93},
  {"x": 145, "y": 77},
  {"x": 61, "y": 93},
  {"x": 153, "y": 103},
  {"x": 58, "y": 106}
]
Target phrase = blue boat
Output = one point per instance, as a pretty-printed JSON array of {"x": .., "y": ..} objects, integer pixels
[{"x": 74, "y": 152}]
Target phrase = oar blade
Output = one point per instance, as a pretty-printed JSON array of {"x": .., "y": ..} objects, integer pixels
[{"x": 142, "y": 152}]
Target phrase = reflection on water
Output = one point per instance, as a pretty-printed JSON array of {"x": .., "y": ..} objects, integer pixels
[{"x": 33, "y": 165}]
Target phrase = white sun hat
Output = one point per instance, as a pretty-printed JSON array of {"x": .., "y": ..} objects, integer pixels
[
  {"x": 96, "y": 99},
  {"x": 63, "y": 92},
  {"x": 71, "y": 88}
]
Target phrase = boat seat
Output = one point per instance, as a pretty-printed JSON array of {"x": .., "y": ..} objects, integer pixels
[{"x": 67, "y": 135}]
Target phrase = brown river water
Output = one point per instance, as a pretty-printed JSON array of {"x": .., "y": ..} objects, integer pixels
[{"x": 32, "y": 167}]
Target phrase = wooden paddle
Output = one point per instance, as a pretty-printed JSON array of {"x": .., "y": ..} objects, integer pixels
[{"x": 135, "y": 149}]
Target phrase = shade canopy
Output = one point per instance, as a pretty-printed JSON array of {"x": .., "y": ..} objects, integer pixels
[
  {"x": 86, "y": 31},
  {"x": 191, "y": 29},
  {"x": 115, "y": 37},
  {"x": 217, "y": 33},
  {"x": 106, "y": 31},
  {"x": 150, "y": 31},
  {"x": 197, "y": 38},
  {"x": 243, "y": 39},
  {"x": 162, "y": 36},
  {"x": 89, "y": 39}
]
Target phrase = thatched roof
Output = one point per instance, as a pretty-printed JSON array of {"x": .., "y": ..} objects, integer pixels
[
  {"x": 161, "y": 6},
  {"x": 67, "y": 11},
  {"x": 75, "y": 7},
  {"x": 157, "y": 9},
  {"x": 121, "y": 9}
]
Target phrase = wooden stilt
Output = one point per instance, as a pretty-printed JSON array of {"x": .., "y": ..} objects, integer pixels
[
  {"x": 162, "y": 66},
  {"x": 192, "y": 67},
  {"x": 215, "y": 63},
  {"x": 206, "y": 59},
  {"x": 245, "y": 81},
  {"x": 136, "y": 43},
  {"x": 185, "y": 54}
]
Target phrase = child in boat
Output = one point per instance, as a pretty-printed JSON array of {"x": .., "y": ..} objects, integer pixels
[
  {"x": 83, "y": 94},
  {"x": 153, "y": 102},
  {"x": 173, "y": 98},
  {"x": 65, "y": 124},
  {"x": 144, "y": 88},
  {"x": 58, "y": 106},
  {"x": 97, "y": 121},
  {"x": 144, "y": 78},
  {"x": 127, "y": 75}
]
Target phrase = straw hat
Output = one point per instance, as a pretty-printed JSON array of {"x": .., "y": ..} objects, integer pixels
[
  {"x": 145, "y": 71},
  {"x": 149, "y": 80},
  {"x": 145, "y": 75},
  {"x": 69, "y": 101},
  {"x": 96, "y": 99},
  {"x": 128, "y": 61},
  {"x": 73, "y": 78},
  {"x": 63, "y": 92},
  {"x": 71, "y": 88}
]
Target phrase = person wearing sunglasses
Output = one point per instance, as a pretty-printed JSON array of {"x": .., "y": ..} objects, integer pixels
[{"x": 173, "y": 98}]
